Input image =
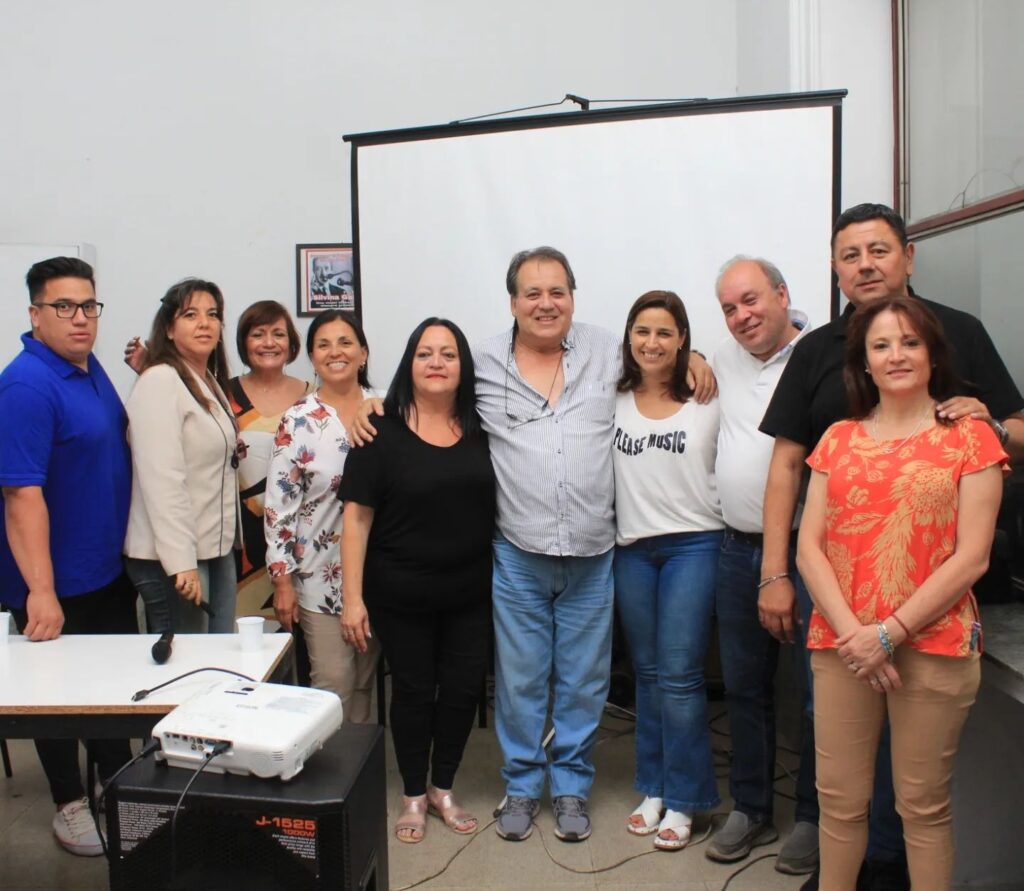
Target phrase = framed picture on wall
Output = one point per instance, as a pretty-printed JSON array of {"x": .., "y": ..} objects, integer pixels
[{"x": 323, "y": 278}]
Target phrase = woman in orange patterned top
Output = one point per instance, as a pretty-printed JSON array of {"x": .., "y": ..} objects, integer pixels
[{"x": 897, "y": 526}]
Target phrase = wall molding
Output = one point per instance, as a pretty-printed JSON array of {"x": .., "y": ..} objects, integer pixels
[{"x": 804, "y": 45}]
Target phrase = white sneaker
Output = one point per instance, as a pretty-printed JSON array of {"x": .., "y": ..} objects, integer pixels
[{"x": 75, "y": 829}]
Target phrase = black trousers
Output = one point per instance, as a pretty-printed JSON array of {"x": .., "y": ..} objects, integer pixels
[
  {"x": 438, "y": 663},
  {"x": 108, "y": 610}
]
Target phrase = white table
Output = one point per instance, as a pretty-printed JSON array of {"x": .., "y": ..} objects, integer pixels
[{"x": 81, "y": 685}]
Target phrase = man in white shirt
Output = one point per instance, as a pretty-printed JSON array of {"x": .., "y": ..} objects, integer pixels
[{"x": 755, "y": 300}]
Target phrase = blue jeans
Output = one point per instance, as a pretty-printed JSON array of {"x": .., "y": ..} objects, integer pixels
[
  {"x": 167, "y": 610},
  {"x": 552, "y": 633},
  {"x": 750, "y": 656},
  {"x": 665, "y": 594}
]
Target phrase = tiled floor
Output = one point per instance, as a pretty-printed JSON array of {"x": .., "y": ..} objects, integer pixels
[{"x": 611, "y": 859}]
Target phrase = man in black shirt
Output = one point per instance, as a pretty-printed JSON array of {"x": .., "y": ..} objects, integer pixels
[{"x": 872, "y": 258}]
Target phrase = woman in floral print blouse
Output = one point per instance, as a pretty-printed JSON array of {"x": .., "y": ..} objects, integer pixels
[
  {"x": 302, "y": 516},
  {"x": 897, "y": 526}
]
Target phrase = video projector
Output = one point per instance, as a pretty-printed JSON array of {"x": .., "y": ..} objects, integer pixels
[{"x": 270, "y": 730}]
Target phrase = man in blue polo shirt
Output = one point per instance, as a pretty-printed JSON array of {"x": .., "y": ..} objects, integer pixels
[{"x": 65, "y": 474}]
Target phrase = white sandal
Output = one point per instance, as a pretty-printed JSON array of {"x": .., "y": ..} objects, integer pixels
[
  {"x": 678, "y": 823},
  {"x": 649, "y": 810}
]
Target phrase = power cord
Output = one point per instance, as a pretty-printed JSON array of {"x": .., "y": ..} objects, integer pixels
[
  {"x": 144, "y": 752},
  {"x": 215, "y": 750},
  {"x": 623, "y": 714},
  {"x": 745, "y": 867},
  {"x": 449, "y": 861},
  {"x": 139, "y": 695}
]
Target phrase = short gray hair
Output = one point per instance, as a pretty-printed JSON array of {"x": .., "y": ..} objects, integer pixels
[
  {"x": 538, "y": 253},
  {"x": 770, "y": 270}
]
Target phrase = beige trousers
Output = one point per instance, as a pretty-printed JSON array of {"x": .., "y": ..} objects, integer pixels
[
  {"x": 336, "y": 666},
  {"x": 926, "y": 716}
]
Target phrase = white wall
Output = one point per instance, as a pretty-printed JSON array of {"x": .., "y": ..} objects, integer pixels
[
  {"x": 856, "y": 53},
  {"x": 204, "y": 138},
  {"x": 800, "y": 45}
]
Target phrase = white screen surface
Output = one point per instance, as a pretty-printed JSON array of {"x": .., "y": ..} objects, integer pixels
[{"x": 635, "y": 204}]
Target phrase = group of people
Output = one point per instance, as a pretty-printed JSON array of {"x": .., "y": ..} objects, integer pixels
[{"x": 532, "y": 485}]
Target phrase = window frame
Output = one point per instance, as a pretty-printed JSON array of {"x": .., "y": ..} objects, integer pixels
[{"x": 986, "y": 209}]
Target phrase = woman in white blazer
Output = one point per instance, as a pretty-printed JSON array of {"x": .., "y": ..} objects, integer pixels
[{"x": 183, "y": 521}]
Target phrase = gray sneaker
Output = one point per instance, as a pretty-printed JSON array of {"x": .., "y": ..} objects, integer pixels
[
  {"x": 515, "y": 818},
  {"x": 799, "y": 853},
  {"x": 571, "y": 821},
  {"x": 739, "y": 834}
]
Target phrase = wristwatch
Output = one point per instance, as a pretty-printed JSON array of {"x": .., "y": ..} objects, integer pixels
[{"x": 1001, "y": 432}]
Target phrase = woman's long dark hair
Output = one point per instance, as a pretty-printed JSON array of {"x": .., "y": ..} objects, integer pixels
[
  {"x": 678, "y": 389},
  {"x": 161, "y": 349},
  {"x": 861, "y": 390},
  {"x": 400, "y": 401},
  {"x": 340, "y": 315}
]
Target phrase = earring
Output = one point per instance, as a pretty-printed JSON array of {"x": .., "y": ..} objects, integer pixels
[{"x": 867, "y": 370}]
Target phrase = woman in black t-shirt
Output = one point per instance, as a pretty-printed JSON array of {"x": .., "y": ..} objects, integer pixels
[{"x": 416, "y": 559}]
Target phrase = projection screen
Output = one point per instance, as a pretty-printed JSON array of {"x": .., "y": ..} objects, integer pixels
[{"x": 637, "y": 198}]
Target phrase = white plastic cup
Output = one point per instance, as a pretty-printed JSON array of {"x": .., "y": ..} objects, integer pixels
[
  {"x": 5, "y": 627},
  {"x": 250, "y": 632}
]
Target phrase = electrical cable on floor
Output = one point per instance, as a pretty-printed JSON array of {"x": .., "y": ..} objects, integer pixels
[
  {"x": 631, "y": 857},
  {"x": 745, "y": 867},
  {"x": 723, "y": 753},
  {"x": 449, "y": 861}
]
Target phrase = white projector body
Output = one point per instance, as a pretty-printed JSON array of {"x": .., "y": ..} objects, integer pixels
[{"x": 271, "y": 729}]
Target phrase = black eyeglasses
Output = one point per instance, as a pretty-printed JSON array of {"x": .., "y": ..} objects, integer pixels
[{"x": 66, "y": 309}]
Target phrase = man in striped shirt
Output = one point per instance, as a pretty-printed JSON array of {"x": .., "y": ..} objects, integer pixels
[{"x": 546, "y": 396}]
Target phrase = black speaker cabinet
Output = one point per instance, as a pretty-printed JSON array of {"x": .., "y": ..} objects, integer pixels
[{"x": 326, "y": 828}]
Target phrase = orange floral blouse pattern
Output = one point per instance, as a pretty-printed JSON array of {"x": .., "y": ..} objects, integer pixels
[{"x": 891, "y": 521}]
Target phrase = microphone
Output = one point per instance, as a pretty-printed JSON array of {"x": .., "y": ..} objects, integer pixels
[{"x": 162, "y": 648}]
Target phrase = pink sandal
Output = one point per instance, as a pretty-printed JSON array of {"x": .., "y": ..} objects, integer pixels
[
  {"x": 411, "y": 825},
  {"x": 442, "y": 804}
]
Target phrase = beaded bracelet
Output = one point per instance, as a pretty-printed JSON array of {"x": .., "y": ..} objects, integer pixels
[
  {"x": 772, "y": 578},
  {"x": 885, "y": 640},
  {"x": 899, "y": 622}
]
